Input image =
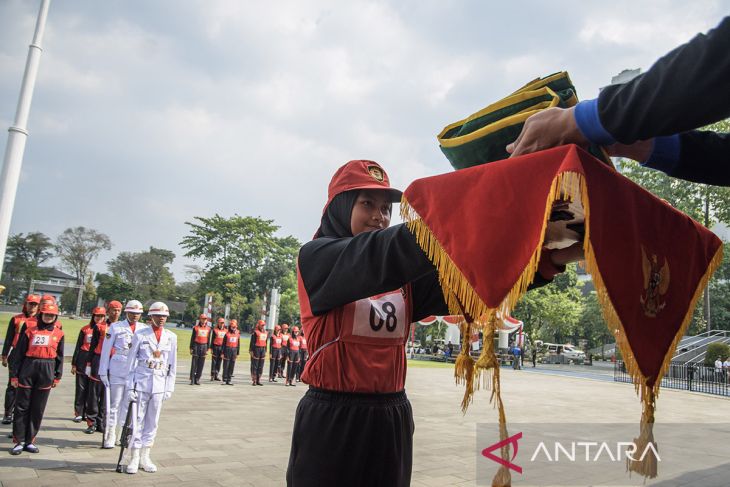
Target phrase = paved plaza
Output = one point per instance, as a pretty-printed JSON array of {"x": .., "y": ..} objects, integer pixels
[{"x": 240, "y": 436}]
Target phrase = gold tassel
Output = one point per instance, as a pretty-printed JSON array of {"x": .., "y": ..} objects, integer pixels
[
  {"x": 503, "y": 477},
  {"x": 464, "y": 374},
  {"x": 648, "y": 465}
]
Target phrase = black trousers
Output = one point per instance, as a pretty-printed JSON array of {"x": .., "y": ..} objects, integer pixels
[
  {"x": 284, "y": 356},
  {"x": 10, "y": 390},
  {"x": 215, "y": 360},
  {"x": 274, "y": 361},
  {"x": 257, "y": 362},
  {"x": 96, "y": 404},
  {"x": 292, "y": 365},
  {"x": 303, "y": 356},
  {"x": 196, "y": 366},
  {"x": 81, "y": 392},
  {"x": 229, "y": 363},
  {"x": 10, "y": 394},
  {"x": 35, "y": 379},
  {"x": 358, "y": 440}
]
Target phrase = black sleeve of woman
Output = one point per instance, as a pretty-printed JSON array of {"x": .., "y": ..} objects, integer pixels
[
  {"x": 59, "y": 360},
  {"x": 9, "y": 335},
  {"x": 79, "y": 341},
  {"x": 337, "y": 271},
  {"x": 252, "y": 342},
  {"x": 20, "y": 350}
]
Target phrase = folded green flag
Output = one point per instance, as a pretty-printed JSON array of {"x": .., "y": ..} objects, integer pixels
[{"x": 483, "y": 136}]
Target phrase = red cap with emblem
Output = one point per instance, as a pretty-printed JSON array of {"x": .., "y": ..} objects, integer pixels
[
  {"x": 33, "y": 298},
  {"x": 115, "y": 304},
  {"x": 360, "y": 174}
]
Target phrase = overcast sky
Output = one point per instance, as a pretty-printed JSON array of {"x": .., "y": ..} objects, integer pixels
[{"x": 147, "y": 113}]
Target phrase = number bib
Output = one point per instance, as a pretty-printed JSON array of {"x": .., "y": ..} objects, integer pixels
[
  {"x": 41, "y": 340},
  {"x": 380, "y": 320}
]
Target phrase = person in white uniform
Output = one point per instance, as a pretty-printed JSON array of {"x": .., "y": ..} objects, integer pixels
[
  {"x": 113, "y": 367},
  {"x": 150, "y": 381}
]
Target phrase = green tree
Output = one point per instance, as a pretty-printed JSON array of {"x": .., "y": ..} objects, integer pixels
[
  {"x": 592, "y": 326},
  {"x": 553, "y": 312},
  {"x": 23, "y": 258},
  {"x": 716, "y": 351},
  {"x": 704, "y": 203},
  {"x": 78, "y": 247},
  {"x": 147, "y": 272},
  {"x": 111, "y": 287},
  {"x": 244, "y": 261}
]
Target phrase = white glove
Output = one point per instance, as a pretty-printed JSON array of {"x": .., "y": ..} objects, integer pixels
[
  {"x": 132, "y": 395},
  {"x": 168, "y": 395},
  {"x": 87, "y": 370},
  {"x": 105, "y": 381}
]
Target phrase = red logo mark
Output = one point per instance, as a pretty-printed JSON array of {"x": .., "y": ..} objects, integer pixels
[{"x": 487, "y": 452}]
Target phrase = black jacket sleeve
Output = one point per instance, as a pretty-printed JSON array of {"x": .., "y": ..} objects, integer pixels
[
  {"x": 19, "y": 355},
  {"x": 337, "y": 271},
  {"x": 238, "y": 346},
  {"x": 79, "y": 341},
  {"x": 59, "y": 360},
  {"x": 9, "y": 337},
  {"x": 684, "y": 90},
  {"x": 251, "y": 342},
  {"x": 95, "y": 337},
  {"x": 192, "y": 338},
  {"x": 704, "y": 157}
]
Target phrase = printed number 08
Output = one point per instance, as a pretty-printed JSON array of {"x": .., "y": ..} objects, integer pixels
[{"x": 391, "y": 320}]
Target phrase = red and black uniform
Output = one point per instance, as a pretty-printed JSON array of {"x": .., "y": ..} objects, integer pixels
[
  {"x": 257, "y": 348},
  {"x": 274, "y": 355},
  {"x": 231, "y": 349},
  {"x": 285, "y": 336},
  {"x": 217, "y": 340},
  {"x": 294, "y": 359},
  {"x": 303, "y": 356},
  {"x": 96, "y": 397},
  {"x": 79, "y": 360},
  {"x": 37, "y": 366},
  {"x": 15, "y": 329},
  {"x": 198, "y": 349}
]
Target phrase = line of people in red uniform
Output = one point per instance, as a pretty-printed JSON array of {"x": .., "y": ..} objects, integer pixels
[
  {"x": 287, "y": 351},
  {"x": 115, "y": 363}
]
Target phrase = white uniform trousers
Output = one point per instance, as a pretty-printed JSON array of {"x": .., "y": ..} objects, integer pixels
[
  {"x": 118, "y": 404},
  {"x": 148, "y": 416}
]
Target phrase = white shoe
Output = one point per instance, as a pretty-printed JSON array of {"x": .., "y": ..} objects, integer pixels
[
  {"x": 133, "y": 464},
  {"x": 108, "y": 440},
  {"x": 145, "y": 461}
]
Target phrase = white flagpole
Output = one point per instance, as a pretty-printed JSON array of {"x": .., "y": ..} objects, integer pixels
[{"x": 19, "y": 133}]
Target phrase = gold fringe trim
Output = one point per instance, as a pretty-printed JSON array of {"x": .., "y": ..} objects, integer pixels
[
  {"x": 648, "y": 394},
  {"x": 461, "y": 299}
]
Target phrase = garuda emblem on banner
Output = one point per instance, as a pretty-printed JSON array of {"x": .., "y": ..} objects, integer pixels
[{"x": 656, "y": 283}]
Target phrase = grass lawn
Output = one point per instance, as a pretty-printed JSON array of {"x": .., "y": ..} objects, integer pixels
[
  {"x": 71, "y": 330},
  {"x": 429, "y": 364}
]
